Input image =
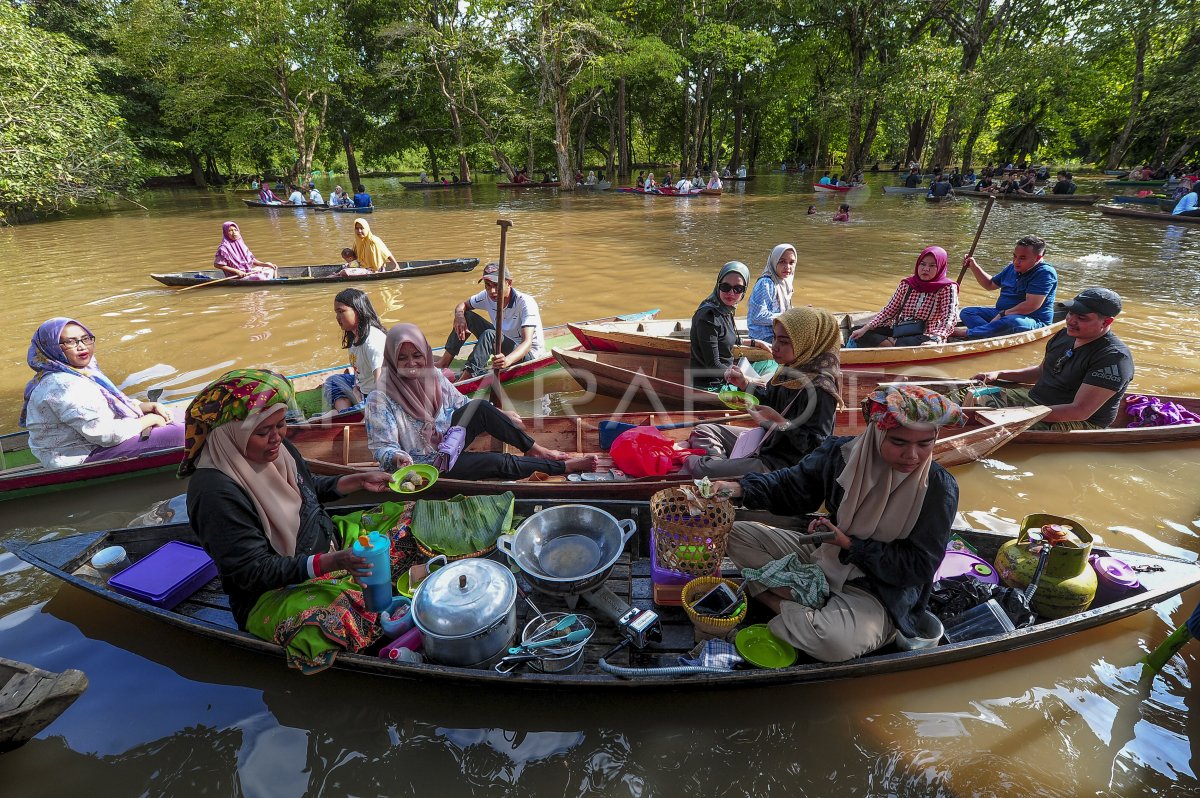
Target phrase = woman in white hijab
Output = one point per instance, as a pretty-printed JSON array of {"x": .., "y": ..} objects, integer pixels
[{"x": 772, "y": 293}]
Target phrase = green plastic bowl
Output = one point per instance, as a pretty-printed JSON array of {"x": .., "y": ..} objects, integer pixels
[
  {"x": 762, "y": 649},
  {"x": 429, "y": 472},
  {"x": 738, "y": 400}
]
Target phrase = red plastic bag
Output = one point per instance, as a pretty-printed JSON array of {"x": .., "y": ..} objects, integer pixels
[{"x": 646, "y": 452}]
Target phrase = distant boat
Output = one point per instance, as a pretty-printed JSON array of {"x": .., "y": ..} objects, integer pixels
[
  {"x": 905, "y": 190},
  {"x": 553, "y": 184},
  {"x": 306, "y": 275},
  {"x": 31, "y": 699},
  {"x": 823, "y": 187},
  {"x": 1052, "y": 199},
  {"x": 419, "y": 186},
  {"x": 1163, "y": 217}
]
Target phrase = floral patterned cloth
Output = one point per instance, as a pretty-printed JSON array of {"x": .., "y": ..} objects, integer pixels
[
  {"x": 902, "y": 405},
  {"x": 232, "y": 397}
]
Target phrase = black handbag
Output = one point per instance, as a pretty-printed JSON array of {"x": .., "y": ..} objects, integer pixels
[{"x": 908, "y": 328}]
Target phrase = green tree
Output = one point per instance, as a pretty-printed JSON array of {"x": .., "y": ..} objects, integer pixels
[{"x": 62, "y": 141}]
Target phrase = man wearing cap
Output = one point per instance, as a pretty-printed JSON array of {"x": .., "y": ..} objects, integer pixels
[
  {"x": 314, "y": 196},
  {"x": 1027, "y": 286},
  {"x": 1084, "y": 373},
  {"x": 522, "y": 327}
]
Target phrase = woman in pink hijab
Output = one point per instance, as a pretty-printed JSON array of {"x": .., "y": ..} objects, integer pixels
[
  {"x": 236, "y": 260},
  {"x": 922, "y": 311},
  {"x": 414, "y": 407}
]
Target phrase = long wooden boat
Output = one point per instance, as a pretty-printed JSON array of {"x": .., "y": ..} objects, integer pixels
[
  {"x": 359, "y": 209},
  {"x": 1163, "y": 217},
  {"x": 603, "y": 185},
  {"x": 342, "y": 448},
  {"x": 552, "y": 184},
  {"x": 308, "y": 275},
  {"x": 670, "y": 192},
  {"x": 1129, "y": 199},
  {"x": 206, "y": 613},
  {"x": 416, "y": 185},
  {"x": 253, "y": 203},
  {"x": 1116, "y": 172},
  {"x": 906, "y": 190},
  {"x": 1119, "y": 433},
  {"x": 670, "y": 337},
  {"x": 821, "y": 187},
  {"x": 1052, "y": 199},
  {"x": 1158, "y": 183},
  {"x": 32, "y": 698},
  {"x": 737, "y": 179}
]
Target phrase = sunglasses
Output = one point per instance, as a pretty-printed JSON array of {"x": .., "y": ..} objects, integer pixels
[
  {"x": 1062, "y": 361},
  {"x": 726, "y": 288}
]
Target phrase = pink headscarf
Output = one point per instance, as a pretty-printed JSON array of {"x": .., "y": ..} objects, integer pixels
[
  {"x": 231, "y": 252},
  {"x": 939, "y": 281},
  {"x": 421, "y": 398}
]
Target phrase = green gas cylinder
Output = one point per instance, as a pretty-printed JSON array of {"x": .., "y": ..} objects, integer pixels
[{"x": 1068, "y": 583}]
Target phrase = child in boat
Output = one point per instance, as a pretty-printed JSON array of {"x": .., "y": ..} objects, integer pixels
[
  {"x": 843, "y": 214},
  {"x": 352, "y": 267},
  {"x": 362, "y": 336},
  {"x": 890, "y": 512}
]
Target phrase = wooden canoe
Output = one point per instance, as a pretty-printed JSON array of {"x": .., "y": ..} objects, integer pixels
[
  {"x": 32, "y": 698},
  {"x": 206, "y": 613},
  {"x": 1129, "y": 199},
  {"x": 1158, "y": 183},
  {"x": 342, "y": 448},
  {"x": 307, "y": 275},
  {"x": 346, "y": 208},
  {"x": 253, "y": 203},
  {"x": 1052, "y": 199},
  {"x": 603, "y": 185},
  {"x": 419, "y": 186},
  {"x": 670, "y": 337},
  {"x": 906, "y": 190},
  {"x": 552, "y": 184},
  {"x": 821, "y": 187},
  {"x": 638, "y": 377},
  {"x": 665, "y": 192},
  {"x": 1148, "y": 216}
]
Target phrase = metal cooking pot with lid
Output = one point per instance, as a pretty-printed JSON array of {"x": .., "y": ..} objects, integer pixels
[
  {"x": 567, "y": 549},
  {"x": 466, "y": 612}
]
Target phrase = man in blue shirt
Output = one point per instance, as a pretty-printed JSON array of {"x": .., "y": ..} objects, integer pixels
[
  {"x": 362, "y": 199},
  {"x": 1188, "y": 204},
  {"x": 824, "y": 181},
  {"x": 1026, "y": 287}
]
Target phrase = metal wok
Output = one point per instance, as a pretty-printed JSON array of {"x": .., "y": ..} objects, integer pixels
[{"x": 601, "y": 536}]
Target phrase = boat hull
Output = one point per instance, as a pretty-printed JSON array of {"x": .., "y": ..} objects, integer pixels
[
  {"x": 206, "y": 614},
  {"x": 32, "y": 698},
  {"x": 1048, "y": 199},
  {"x": 307, "y": 275},
  {"x": 1162, "y": 217}
]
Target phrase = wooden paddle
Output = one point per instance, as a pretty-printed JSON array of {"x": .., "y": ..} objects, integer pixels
[
  {"x": 211, "y": 282},
  {"x": 497, "y": 393},
  {"x": 978, "y": 232}
]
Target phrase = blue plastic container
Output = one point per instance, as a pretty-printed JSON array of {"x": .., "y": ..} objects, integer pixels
[
  {"x": 377, "y": 588},
  {"x": 166, "y": 576}
]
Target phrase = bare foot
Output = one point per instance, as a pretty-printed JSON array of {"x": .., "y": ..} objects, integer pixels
[
  {"x": 588, "y": 462},
  {"x": 537, "y": 450},
  {"x": 443, "y": 360},
  {"x": 959, "y": 332}
]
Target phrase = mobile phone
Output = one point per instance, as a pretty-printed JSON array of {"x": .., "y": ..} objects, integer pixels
[{"x": 716, "y": 600}]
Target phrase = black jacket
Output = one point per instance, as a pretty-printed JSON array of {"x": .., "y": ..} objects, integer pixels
[
  {"x": 223, "y": 516},
  {"x": 901, "y": 572},
  {"x": 713, "y": 337},
  {"x": 810, "y": 420}
]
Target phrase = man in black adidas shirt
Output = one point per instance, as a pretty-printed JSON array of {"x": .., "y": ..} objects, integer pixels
[{"x": 1084, "y": 373}]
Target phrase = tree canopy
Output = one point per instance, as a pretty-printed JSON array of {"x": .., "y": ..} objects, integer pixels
[{"x": 281, "y": 86}]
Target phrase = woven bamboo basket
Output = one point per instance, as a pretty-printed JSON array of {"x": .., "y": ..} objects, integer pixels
[
  {"x": 707, "y": 626},
  {"x": 690, "y": 532}
]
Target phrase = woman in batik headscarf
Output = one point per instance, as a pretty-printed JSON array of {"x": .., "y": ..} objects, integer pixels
[
  {"x": 797, "y": 404},
  {"x": 890, "y": 512},
  {"x": 257, "y": 509}
]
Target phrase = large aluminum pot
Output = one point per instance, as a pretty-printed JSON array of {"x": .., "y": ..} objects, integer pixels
[
  {"x": 467, "y": 612},
  {"x": 567, "y": 549}
]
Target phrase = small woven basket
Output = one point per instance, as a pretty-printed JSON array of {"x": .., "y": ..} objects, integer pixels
[
  {"x": 690, "y": 532},
  {"x": 707, "y": 626}
]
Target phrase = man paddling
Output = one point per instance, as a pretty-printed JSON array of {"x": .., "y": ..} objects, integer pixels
[
  {"x": 523, "y": 339},
  {"x": 1085, "y": 371},
  {"x": 1026, "y": 286}
]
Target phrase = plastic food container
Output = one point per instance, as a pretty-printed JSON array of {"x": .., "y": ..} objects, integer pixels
[
  {"x": 668, "y": 584},
  {"x": 964, "y": 563},
  {"x": 166, "y": 576},
  {"x": 1115, "y": 580},
  {"x": 929, "y": 634},
  {"x": 983, "y": 620}
]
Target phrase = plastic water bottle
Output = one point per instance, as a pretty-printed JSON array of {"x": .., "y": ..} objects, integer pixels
[{"x": 377, "y": 588}]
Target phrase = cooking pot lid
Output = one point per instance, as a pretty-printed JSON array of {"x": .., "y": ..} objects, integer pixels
[{"x": 464, "y": 597}]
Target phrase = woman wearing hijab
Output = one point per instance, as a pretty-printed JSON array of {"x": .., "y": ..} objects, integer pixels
[
  {"x": 257, "y": 509},
  {"x": 75, "y": 414},
  {"x": 890, "y": 512},
  {"x": 414, "y": 406},
  {"x": 369, "y": 250},
  {"x": 235, "y": 258},
  {"x": 714, "y": 181},
  {"x": 921, "y": 311},
  {"x": 772, "y": 292},
  {"x": 714, "y": 331},
  {"x": 798, "y": 403}
]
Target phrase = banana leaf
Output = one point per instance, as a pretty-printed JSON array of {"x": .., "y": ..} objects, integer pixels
[{"x": 462, "y": 525}]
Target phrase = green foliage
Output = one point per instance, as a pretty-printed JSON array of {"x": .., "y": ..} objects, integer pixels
[{"x": 61, "y": 141}]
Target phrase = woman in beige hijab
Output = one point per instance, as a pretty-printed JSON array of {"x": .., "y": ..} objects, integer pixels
[{"x": 890, "y": 512}]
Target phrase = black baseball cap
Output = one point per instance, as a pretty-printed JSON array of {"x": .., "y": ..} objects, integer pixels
[{"x": 1095, "y": 300}]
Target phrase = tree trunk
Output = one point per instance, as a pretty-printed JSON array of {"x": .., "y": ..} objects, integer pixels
[
  {"x": 739, "y": 116},
  {"x": 351, "y": 160},
  {"x": 612, "y": 148},
  {"x": 433, "y": 161},
  {"x": 624, "y": 162},
  {"x": 1135, "y": 99},
  {"x": 464, "y": 169},
  {"x": 198, "y": 178},
  {"x": 685, "y": 123},
  {"x": 1181, "y": 151},
  {"x": 871, "y": 130},
  {"x": 968, "y": 151},
  {"x": 581, "y": 147},
  {"x": 1160, "y": 151}
]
